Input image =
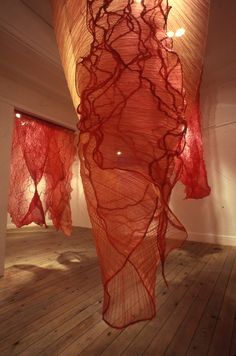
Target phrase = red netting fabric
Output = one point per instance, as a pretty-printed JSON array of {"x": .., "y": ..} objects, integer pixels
[
  {"x": 134, "y": 117},
  {"x": 41, "y": 161},
  {"x": 194, "y": 175}
]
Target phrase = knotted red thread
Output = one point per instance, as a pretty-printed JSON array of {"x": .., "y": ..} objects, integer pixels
[
  {"x": 41, "y": 160},
  {"x": 132, "y": 138}
]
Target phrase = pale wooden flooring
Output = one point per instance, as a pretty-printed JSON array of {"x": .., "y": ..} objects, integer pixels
[{"x": 50, "y": 301}]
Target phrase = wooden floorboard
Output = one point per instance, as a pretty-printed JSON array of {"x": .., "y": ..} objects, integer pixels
[
  {"x": 160, "y": 343},
  {"x": 51, "y": 300},
  {"x": 203, "y": 335},
  {"x": 224, "y": 336},
  {"x": 176, "y": 292}
]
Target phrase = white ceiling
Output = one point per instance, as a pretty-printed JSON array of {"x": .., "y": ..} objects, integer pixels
[
  {"x": 40, "y": 7},
  {"x": 31, "y": 75}
]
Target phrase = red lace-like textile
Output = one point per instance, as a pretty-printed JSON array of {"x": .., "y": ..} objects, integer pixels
[
  {"x": 41, "y": 160},
  {"x": 194, "y": 175},
  {"x": 134, "y": 116}
]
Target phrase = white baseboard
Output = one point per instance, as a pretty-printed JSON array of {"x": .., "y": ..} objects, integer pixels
[
  {"x": 11, "y": 228},
  {"x": 212, "y": 239}
]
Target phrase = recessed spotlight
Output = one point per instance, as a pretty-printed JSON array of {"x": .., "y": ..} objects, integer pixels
[
  {"x": 18, "y": 115},
  {"x": 170, "y": 34},
  {"x": 180, "y": 32},
  {"x": 119, "y": 153}
]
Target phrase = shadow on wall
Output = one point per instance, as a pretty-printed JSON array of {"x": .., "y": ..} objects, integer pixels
[{"x": 213, "y": 219}]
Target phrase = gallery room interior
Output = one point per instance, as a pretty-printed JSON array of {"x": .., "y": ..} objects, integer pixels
[{"x": 117, "y": 195}]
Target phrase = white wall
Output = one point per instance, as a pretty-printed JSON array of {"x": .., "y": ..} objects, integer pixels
[
  {"x": 213, "y": 219},
  {"x": 6, "y": 125},
  {"x": 80, "y": 215}
]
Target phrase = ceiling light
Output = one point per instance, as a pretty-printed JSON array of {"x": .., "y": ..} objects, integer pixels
[
  {"x": 180, "y": 32},
  {"x": 170, "y": 34}
]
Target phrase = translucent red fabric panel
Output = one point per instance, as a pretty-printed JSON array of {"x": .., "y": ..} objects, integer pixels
[
  {"x": 194, "y": 174},
  {"x": 133, "y": 123},
  {"x": 41, "y": 160}
]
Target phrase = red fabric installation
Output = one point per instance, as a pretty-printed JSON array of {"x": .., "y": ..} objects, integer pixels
[
  {"x": 194, "y": 175},
  {"x": 132, "y": 126},
  {"x": 41, "y": 160}
]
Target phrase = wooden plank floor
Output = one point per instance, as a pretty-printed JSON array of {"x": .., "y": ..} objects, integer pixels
[{"x": 51, "y": 299}]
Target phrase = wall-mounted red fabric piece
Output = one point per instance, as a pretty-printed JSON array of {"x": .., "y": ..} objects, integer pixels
[
  {"x": 41, "y": 163},
  {"x": 134, "y": 115}
]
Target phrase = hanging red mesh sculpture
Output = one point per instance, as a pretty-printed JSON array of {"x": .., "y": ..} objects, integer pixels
[
  {"x": 134, "y": 115},
  {"x": 192, "y": 16},
  {"x": 41, "y": 160}
]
